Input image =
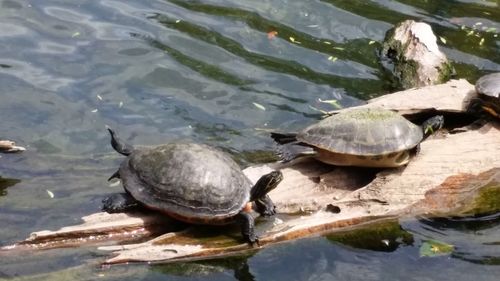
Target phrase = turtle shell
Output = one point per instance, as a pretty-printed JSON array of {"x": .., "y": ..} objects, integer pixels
[
  {"x": 363, "y": 132},
  {"x": 489, "y": 85},
  {"x": 488, "y": 89},
  {"x": 191, "y": 182}
]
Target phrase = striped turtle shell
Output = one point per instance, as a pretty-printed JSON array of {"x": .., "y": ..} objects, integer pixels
[
  {"x": 191, "y": 182},
  {"x": 363, "y": 132}
]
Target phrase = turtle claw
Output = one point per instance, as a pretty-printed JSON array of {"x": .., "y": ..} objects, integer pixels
[
  {"x": 254, "y": 241},
  {"x": 265, "y": 207}
]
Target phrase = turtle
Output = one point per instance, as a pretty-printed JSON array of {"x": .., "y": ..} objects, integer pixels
[
  {"x": 487, "y": 102},
  {"x": 190, "y": 182},
  {"x": 363, "y": 137}
]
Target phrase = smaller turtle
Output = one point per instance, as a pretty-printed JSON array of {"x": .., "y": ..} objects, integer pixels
[
  {"x": 487, "y": 103},
  {"x": 365, "y": 137},
  {"x": 190, "y": 182}
]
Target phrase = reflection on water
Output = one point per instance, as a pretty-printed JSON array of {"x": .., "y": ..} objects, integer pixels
[
  {"x": 219, "y": 72},
  {"x": 5, "y": 183},
  {"x": 476, "y": 238}
]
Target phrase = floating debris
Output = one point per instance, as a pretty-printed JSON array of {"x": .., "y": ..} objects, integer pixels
[
  {"x": 272, "y": 34},
  {"x": 50, "y": 193},
  {"x": 259, "y": 106},
  {"x": 332, "y": 58}
]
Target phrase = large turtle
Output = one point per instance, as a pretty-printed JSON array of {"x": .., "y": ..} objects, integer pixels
[
  {"x": 366, "y": 137},
  {"x": 487, "y": 102},
  {"x": 190, "y": 182}
]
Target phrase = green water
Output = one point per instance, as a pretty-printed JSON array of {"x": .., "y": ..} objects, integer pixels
[{"x": 209, "y": 71}]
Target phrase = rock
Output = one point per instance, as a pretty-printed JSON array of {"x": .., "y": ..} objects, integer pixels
[{"x": 417, "y": 61}]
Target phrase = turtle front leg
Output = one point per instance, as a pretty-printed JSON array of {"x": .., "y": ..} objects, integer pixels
[
  {"x": 265, "y": 206},
  {"x": 119, "y": 203},
  {"x": 248, "y": 228}
]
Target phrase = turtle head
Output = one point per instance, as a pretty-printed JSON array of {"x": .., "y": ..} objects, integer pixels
[
  {"x": 432, "y": 124},
  {"x": 265, "y": 184}
]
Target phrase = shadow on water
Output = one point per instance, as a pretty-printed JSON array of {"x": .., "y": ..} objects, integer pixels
[{"x": 5, "y": 183}]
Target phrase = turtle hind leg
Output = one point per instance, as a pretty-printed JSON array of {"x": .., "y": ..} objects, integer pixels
[
  {"x": 247, "y": 228},
  {"x": 119, "y": 203},
  {"x": 291, "y": 151},
  {"x": 284, "y": 138},
  {"x": 119, "y": 145}
]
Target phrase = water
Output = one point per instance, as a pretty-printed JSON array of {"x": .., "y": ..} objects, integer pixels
[{"x": 209, "y": 71}]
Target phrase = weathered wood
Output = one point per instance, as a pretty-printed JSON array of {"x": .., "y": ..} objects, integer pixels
[
  {"x": 446, "y": 175},
  {"x": 453, "y": 96},
  {"x": 96, "y": 228}
]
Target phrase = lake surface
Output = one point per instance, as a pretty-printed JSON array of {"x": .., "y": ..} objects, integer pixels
[{"x": 218, "y": 72}]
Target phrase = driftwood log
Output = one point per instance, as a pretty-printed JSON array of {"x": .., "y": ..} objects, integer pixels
[
  {"x": 448, "y": 176},
  {"x": 10, "y": 146}
]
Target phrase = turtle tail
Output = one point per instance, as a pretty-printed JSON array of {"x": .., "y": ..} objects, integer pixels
[
  {"x": 118, "y": 145},
  {"x": 283, "y": 138},
  {"x": 116, "y": 175}
]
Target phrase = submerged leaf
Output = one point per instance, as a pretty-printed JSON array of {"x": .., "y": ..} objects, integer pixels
[
  {"x": 331, "y": 102},
  {"x": 434, "y": 248}
]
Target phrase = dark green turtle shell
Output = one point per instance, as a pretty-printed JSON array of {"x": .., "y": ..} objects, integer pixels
[
  {"x": 363, "y": 132},
  {"x": 188, "y": 181}
]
